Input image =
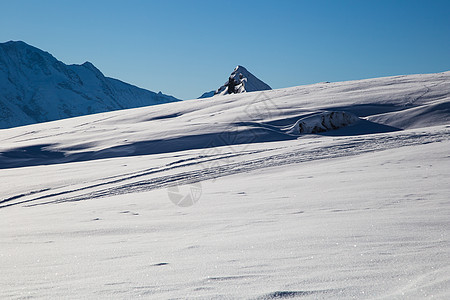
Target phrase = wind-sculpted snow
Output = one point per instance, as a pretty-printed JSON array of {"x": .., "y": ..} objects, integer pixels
[
  {"x": 35, "y": 87},
  {"x": 332, "y": 190},
  {"x": 323, "y": 122}
]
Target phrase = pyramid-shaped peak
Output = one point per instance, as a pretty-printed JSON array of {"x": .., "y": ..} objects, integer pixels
[{"x": 241, "y": 81}]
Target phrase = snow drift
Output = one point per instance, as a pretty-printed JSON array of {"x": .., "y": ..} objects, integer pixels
[{"x": 322, "y": 122}]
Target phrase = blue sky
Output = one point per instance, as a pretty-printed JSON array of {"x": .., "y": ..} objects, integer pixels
[{"x": 184, "y": 48}]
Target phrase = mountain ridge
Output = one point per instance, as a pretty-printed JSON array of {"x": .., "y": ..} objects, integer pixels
[{"x": 37, "y": 87}]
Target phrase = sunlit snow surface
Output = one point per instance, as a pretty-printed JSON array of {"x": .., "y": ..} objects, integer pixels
[{"x": 362, "y": 211}]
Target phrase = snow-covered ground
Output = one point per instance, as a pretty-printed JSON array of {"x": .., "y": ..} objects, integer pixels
[{"x": 229, "y": 198}]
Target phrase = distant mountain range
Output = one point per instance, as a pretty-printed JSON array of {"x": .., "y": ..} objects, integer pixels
[
  {"x": 36, "y": 87},
  {"x": 240, "y": 81}
]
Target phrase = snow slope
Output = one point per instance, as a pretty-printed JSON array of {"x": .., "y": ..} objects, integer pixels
[
  {"x": 233, "y": 119},
  {"x": 38, "y": 88},
  {"x": 265, "y": 210}
]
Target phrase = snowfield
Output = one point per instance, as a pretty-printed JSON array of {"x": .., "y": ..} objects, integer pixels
[{"x": 331, "y": 190}]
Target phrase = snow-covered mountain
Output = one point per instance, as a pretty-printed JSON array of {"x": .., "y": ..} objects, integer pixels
[
  {"x": 36, "y": 87},
  {"x": 240, "y": 81}
]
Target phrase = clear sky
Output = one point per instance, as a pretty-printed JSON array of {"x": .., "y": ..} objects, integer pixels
[{"x": 185, "y": 48}]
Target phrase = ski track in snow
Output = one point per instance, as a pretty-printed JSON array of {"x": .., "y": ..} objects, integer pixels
[{"x": 299, "y": 154}]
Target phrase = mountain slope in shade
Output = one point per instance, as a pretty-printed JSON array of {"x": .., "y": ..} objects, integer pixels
[
  {"x": 240, "y": 81},
  {"x": 207, "y": 94},
  {"x": 36, "y": 87}
]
